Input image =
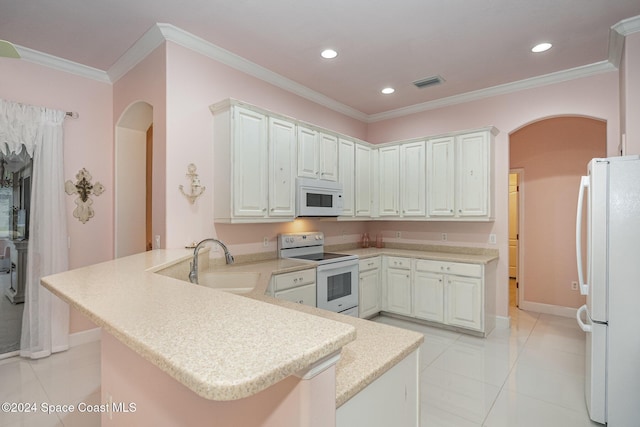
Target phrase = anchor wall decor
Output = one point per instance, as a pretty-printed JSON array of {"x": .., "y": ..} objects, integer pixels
[
  {"x": 196, "y": 188},
  {"x": 84, "y": 188}
]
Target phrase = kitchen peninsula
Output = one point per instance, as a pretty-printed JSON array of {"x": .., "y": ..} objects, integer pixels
[{"x": 183, "y": 353}]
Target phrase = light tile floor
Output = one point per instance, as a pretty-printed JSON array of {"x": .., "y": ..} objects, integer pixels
[
  {"x": 70, "y": 377},
  {"x": 530, "y": 375}
]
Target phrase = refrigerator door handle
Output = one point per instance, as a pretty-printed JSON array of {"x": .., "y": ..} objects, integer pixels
[
  {"x": 584, "y": 184},
  {"x": 583, "y": 326}
]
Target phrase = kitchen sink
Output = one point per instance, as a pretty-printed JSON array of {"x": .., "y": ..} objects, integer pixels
[{"x": 233, "y": 282}]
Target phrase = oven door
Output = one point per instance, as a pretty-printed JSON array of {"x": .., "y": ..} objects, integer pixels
[{"x": 337, "y": 285}]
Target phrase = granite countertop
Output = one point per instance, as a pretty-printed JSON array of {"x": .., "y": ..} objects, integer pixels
[
  {"x": 221, "y": 346},
  {"x": 154, "y": 315}
]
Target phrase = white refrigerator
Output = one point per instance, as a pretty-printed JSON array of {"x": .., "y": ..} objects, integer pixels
[{"x": 608, "y": 216}]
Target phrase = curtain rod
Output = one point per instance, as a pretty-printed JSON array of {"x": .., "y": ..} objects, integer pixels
[{"x": 72, "y": 114}]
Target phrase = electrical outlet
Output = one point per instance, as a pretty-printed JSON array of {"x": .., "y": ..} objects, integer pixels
[
  {"x": 265, "y": 241},
  {"x": 492, "y": 239},
  {"x": 574, "y": 286},
  {"x": 157, "y": 241},
  {"x": 398, "y": 234},
  {"x": 444, "y": 237}
]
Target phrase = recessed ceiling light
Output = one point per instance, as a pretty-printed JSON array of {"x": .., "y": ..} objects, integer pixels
[
  {"x": 541, "y": 47},
  {"x": 388, "y": 90},
  {"x": 329, "y": 54}
]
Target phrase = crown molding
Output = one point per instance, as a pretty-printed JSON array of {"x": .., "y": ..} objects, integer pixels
[
  {"x": 627, "y": 26},
  {"x": 547, "y": 79},
  {"x": 61, "y": 64},
  {"x": 183, "y": 38},
  {"x": 136, "y": 53},
  {"x": 161, "y": 32}
]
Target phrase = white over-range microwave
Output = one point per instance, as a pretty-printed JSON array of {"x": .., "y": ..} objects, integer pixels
[{"x": 316, "y": 197}]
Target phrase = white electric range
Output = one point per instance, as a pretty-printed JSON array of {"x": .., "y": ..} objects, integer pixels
[{"x": 336, "y": 274}]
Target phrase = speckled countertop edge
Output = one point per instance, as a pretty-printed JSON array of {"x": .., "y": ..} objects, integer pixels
[{"x": 154, "y": 316}]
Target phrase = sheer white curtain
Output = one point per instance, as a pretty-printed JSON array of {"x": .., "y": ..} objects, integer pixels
[{"x": 38, "y": 130}]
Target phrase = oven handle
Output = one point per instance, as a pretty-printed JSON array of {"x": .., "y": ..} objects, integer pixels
[{"x": 337, "y": 265}]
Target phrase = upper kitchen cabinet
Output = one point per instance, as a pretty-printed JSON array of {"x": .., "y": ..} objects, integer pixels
[
  {"x": 254, "y": 165},
  {"x": 364, "y": 180},
  {"x": 402, "y": 175},
  {"x": 346, "y": 175},
  {"x": 317, "y": 154},
  {"x": 389, "y": 180},
  {"x": 460, "y": 176}
]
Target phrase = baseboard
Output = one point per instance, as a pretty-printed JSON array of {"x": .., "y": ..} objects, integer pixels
[
  {"x": 503, "y": 322},
  {"x": 556, "y": 310},
  {"x": 84, "y": 337}
]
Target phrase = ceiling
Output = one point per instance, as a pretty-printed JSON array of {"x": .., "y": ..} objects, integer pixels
[{"x": 473, "y": 45}]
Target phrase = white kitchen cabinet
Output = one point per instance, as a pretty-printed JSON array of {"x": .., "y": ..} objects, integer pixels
[
  {"x": 297, "y": 286},
  {"x": 282, "y": 166},
  {"x": 413, "y": 179},
  {"x": 473, "y": 168},
  {"x": 459, "y": 181},
  {"x": 254, "y": 165},
  {"x": 389, "y": 180},
  {"x": 428, "y": 296},
  {"x": 347, "y": 175},
  {"x": 393, "y": 399},
  {"x": 398, "y": 285},
  {"x": 369, "y": 287},
  {"x": 317, "y": 154},
  {"x": 364, "y": 178},
  {"x": 463, "y": 296},
  {"x": 459, "y": 287},
  {"x": 441, "y": 178}
]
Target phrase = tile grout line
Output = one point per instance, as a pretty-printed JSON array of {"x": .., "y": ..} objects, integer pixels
[{"x": 510, "y": 370}]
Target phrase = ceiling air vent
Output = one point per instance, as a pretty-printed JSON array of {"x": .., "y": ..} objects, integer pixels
[{"x": 428, "y": 81}]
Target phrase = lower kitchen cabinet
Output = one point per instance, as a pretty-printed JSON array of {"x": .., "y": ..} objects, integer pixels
[
  {"x": 298, "y": 286},
  {"x": 451, "y": 293},
  {"x": 428, "y": 301},
  {"x": 398, "y": 285},
  {"x": 369, "y": 283}
]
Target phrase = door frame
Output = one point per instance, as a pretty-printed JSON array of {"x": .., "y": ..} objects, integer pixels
[{"x": 521, "y": 236}]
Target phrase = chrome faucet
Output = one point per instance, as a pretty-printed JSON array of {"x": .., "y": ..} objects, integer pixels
[{"x": 193, "y": 273}]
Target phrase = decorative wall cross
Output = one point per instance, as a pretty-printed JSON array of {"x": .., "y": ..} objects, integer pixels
[{"x": 84, "y": 188}]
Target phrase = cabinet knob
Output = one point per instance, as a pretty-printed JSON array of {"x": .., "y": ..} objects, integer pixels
[
  {"x": 448, "y": 268},
  {"x": 264, "y": 210},
  {"x": 295, "y": 280},
  {"x": 460, "y": 210},
  {"x": 451, "y": 210}
]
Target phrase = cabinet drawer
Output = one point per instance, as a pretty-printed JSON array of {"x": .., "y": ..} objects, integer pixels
[
  {"x": 291, "y": 280},
  {"x": 305, "y": 295},
  {"x": 396, "y": 262},
  {"x": 369, "y": 263},
  {"x": 457, "y": 268}
]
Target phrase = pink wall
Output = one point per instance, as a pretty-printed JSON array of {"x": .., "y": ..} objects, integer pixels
[
  {"x": 553, "y": 154},
  {"x": 88, "y": 144},
  {"x": 194, "y": 82},
  {"x": 630, "y": 88},
  {"x": 147, "y": 82},
  {"x": 596, "y": 96}
]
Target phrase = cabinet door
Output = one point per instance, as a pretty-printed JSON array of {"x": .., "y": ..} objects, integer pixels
[
  {"x": 463, "y": 296},
  {"x": 308, "y": 154},
  {"x": 473, "y": 174},
  {"x": 250, "y": 156},
  {"x": 369, "y": 282},
  {"x": 328, "y": 157},
  {"x": 440, "y": 178},
  {"x": 398, "y": 286},
  {"x": 428, "y": 296},
  {"x": 346, "y": 175},
  {"x": 413, "y": 179},
  {"x": 389, "y": 172},
  {"x": 364, "y": 179},
  {"x": 282, "y": 161}
]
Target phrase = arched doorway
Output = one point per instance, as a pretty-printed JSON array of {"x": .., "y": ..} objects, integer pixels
[
  {"x": 551, "y": 155},
  {"x": 133, "y": 159}
]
